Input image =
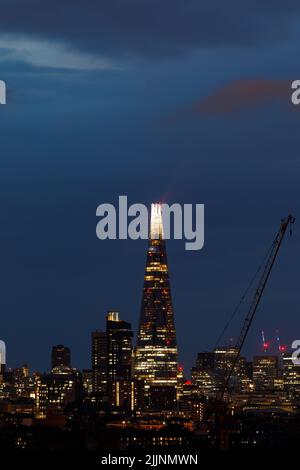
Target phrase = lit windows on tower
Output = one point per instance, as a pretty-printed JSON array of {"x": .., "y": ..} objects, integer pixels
[
  {"x": 99, "y": 363},
  {"x": 156, "y": 353}
]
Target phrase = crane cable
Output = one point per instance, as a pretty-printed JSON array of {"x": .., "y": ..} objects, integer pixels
[{"x": 232, "y": 316}]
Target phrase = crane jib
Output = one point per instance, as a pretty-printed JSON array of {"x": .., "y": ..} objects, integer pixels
[{"x": 285, "y": 223}]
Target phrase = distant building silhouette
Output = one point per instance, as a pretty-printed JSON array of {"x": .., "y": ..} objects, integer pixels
[{"x": 60, "y": 357}]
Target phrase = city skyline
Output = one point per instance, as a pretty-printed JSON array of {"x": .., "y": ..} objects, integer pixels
[
  {"x": 187, "y": 106},
  {"x": 138, "y": 395},
  {"x": 157, "y": 302}
]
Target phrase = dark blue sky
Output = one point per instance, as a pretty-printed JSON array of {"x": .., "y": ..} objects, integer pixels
[{"x": 131, "y": 97}]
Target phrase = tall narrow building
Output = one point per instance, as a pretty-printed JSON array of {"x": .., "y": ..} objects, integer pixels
[
  {"x": 156, "y": 352},
  {"x": 99, "y": 363},
  {"x": 119, "y": 347},
  {"x": 119, "y": 362}
]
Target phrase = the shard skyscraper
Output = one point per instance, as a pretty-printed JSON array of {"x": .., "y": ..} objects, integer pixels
[{"x": 156, "y": 359}]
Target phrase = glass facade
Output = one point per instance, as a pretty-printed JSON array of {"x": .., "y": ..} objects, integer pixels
[{"x": 156, "y": 361}]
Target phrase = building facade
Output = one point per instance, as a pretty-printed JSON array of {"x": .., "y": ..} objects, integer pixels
[
  {"x": 156, "y": 357},
  {"x": 119, "y": 362},
  {"x": 265, "y": 372},
  {"x": 99, "y": 363},
  {"x": 119, "y": 347}
]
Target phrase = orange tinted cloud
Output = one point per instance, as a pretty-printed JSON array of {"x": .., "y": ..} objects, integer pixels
[
  {"x": 242, "y": 94},
  {"x": 238, "y": 95}
]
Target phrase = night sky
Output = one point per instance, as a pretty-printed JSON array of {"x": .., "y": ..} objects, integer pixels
[{"x": 177, "y": 100}]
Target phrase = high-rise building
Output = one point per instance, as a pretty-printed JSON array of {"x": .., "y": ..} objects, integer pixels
[
  {"x": 60, "y": 357},
  {"x": 265, "y": 372},
  {"x": 156, "y": 361},
  {"x": 224, "y": 360},
  {"x": 206, "y": 381},
  {"x": 204, "y": 376},
  {"x": 290, "y": 375},
  {"x": 119, "y": 347},
  {"x": 119, "y": 361},
  {"x": 112, "y": 362},
  {"x": 2, "y": 357},
  {"x": 99, "y": 363}
]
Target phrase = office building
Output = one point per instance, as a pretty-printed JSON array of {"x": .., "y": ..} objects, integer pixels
[{"x": 265, "y": 372}]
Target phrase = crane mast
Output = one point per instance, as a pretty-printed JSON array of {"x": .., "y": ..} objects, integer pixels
[{"x": 285, "y": 223}]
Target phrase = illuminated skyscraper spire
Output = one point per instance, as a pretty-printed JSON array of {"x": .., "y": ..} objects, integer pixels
[
  {"x": 156, "y": 224},
  {"x": 156, "y": 351}
]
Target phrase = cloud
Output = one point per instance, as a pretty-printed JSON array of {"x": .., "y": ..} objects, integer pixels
[
  {"x": 243, "y": 94},
  {"x": 48, "y": 54},
  {"x": 238, "y": 95},
  {"x": 126, "y": 29}
]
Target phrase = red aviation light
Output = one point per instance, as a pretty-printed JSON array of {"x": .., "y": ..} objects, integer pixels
[
  {"x": 282, "y": 348},
  {"x": 188, "y": 382}
]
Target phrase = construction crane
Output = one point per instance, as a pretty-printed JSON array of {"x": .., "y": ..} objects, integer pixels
[
  {"x": 284, "y": 225},
  {"x": 219, "y": 408}
]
